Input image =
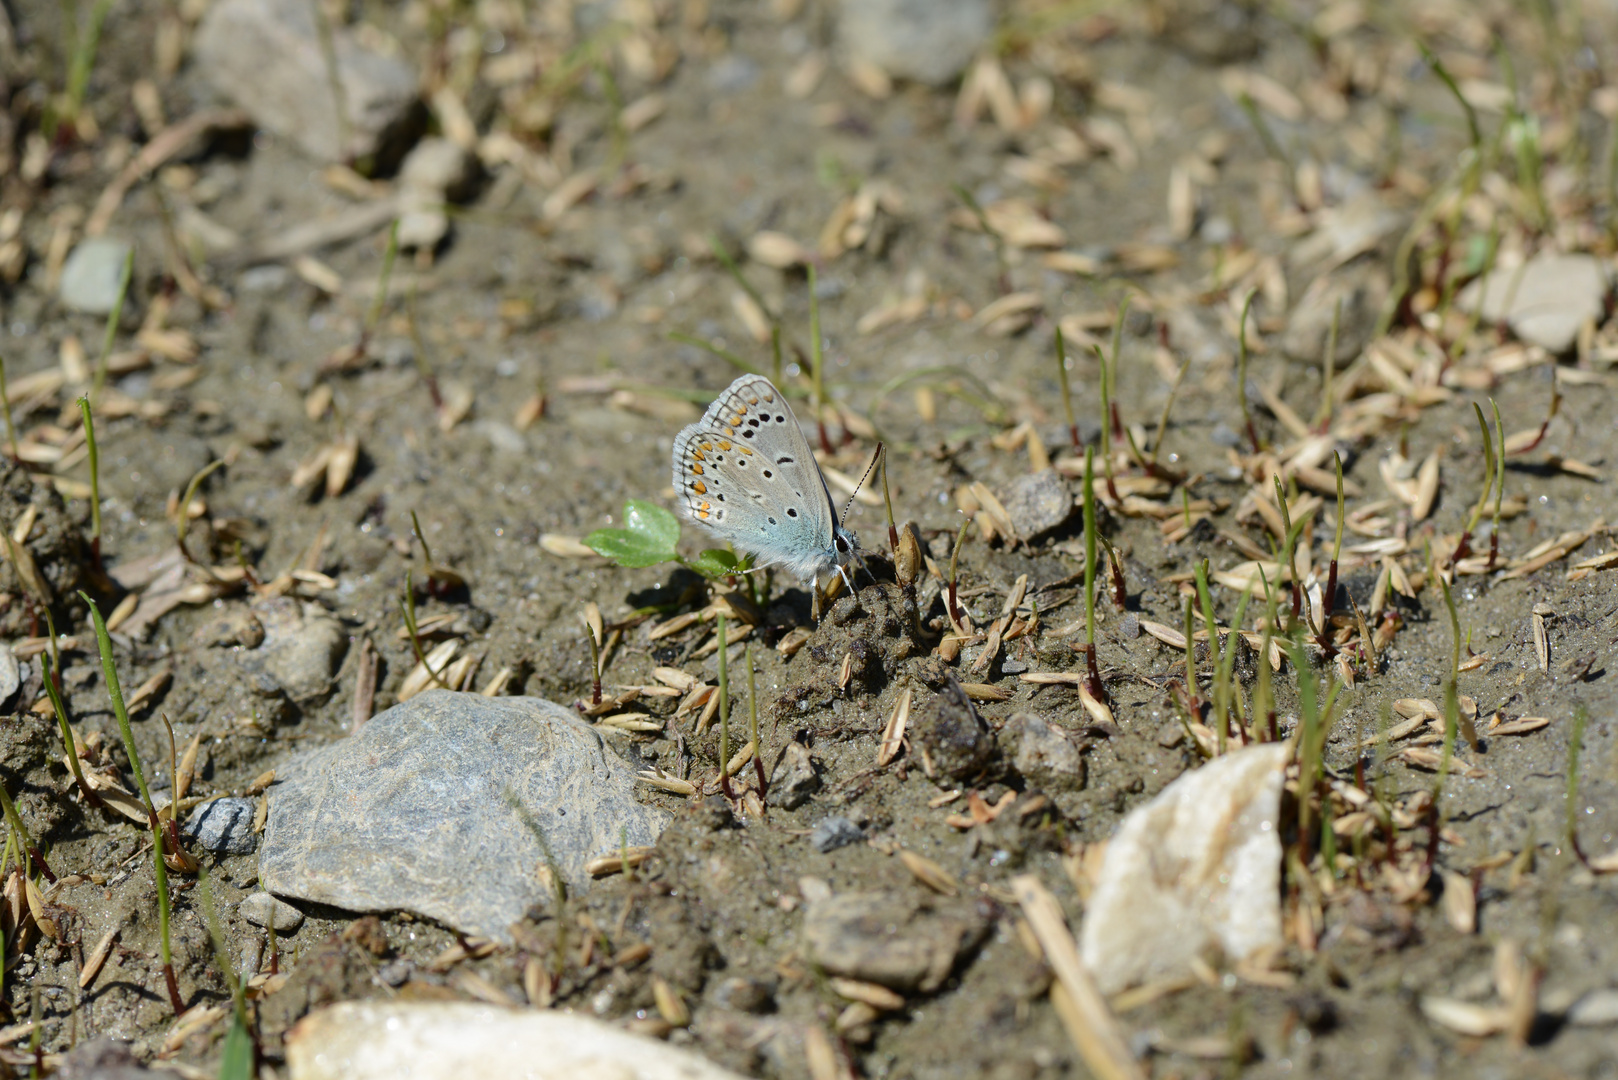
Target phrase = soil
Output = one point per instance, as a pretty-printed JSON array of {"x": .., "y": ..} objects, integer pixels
[{"x": 579, "y": 307}]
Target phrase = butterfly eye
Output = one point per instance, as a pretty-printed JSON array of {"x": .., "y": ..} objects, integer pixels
[{"x": 841, "y": 544}]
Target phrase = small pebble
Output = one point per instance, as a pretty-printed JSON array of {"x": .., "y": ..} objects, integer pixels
[
  {"x": 93, "y": 274},
  {"x": 262, "y": 909},
  {"x": 833, "y": 833},
  {"x": 224, "y": 826}
]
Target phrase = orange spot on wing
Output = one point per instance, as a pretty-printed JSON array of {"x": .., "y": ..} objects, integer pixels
[
  {"x": 724, "y": 445},
  {"x": 699, "y": 487},
  {"x": 697, "y": 469}
]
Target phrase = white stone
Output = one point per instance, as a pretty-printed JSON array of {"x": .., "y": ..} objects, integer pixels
[
  {"x": 1545, "y": 301},
  {"x": 930, "y": 41},
  {"x": 1199, "y": 865},
  {"x": 385, "y": 1040}
]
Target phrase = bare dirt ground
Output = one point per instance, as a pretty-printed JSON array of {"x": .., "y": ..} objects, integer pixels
[{"x": 521, "y": 381}]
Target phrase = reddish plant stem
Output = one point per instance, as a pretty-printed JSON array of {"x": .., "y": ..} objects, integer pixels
[
  {"x": 174, "y": 990},
  {"x": 39, "y": 864},
  {"x": 758, "y": 767}
]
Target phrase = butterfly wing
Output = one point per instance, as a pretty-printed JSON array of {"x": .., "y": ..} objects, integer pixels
[{"x": 745, "y": 471}]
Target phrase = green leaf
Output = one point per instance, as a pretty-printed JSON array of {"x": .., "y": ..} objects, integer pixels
[
  {"x": 237, "y": 1061},
  {"x": 647, "y": 538},
  {"x": 714, "y": 563}
]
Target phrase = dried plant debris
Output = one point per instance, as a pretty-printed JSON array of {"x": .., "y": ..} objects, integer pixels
[{"x": 1253, "y": 414}]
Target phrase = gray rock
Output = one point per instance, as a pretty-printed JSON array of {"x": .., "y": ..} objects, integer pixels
[
  {"x": 106, "y": 1058},
  {"x": 237, "y": 627},
  {"x": 930, "y": 41},
  {"x": 794, "y": 778},
  {"x": 886, "y": 938},
  {"x": 1046, "y": 755},
  {"x": 1545, "y": 301},
  {"x": 1598, "y": 1008},
  {"x": 262, "y": 909},
  {"x": 952, "y": 735},
  {"x": 266, "y": 56},
  {"x": 1038, "y": 503},
  {"x": 833, "y": 833},
  {"x": 748, "y": 995},
  {"x": 1213, "y": 31},
  {"x": 302, "y": 647},
  {"x": 1361, "y": 288},
  {"x": 91, "y": 276},
  {"x": 415, "y": 811},
  {"x": 224, "y": 826}
]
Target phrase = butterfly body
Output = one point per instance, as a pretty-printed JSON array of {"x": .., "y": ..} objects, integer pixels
[{"x": 745, "y": 472}]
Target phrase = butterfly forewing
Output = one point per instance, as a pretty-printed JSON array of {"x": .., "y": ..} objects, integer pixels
[{"x": 745, "y": 470}]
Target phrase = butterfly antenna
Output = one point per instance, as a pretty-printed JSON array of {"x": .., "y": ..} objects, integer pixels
[{"x": 866, "y": 475}]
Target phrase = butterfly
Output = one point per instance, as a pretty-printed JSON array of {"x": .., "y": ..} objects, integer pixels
[{"x": 747, "y": 475}]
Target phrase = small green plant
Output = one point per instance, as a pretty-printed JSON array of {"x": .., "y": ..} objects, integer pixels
[
  {"x": 49, "y": 669},
  {"x": 1067, "y": 391},
  {"x": 115, "y": 694},
  {"x": 5, "y": 403},
  {"x": 407, "y": 610},
  {"x": 95, "y": 479},
  {"x": 237, "y": 1059},
  {"x": 648, "y": 538},
  {"x": 1241, "y": 373},
  {"x": 1093, "y": 680},
  {"x": 113, "y": 317}
]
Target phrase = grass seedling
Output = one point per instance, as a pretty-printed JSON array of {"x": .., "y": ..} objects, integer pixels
[
  {"x": 1200, "y": 575},
  {"x": 115, "y": 694},
  {"x": 182, "y": 523},
  {"x": 724, "y": 714},
  {"x": 1452, "y": 709},
  {"x": 407, "y": 609},
  {"x": 95, "y": 480},
  {"x": 1163, "y": 417},
  {"x": 239, "y": 1053},
  {"x": 1328, "y": 599},
  {"x": 1241, "y": 373},
  {"x": 817, "y": 365},
  {"x": 1575, "y": 746},
  {"x": 887, "y": 503},
  {"x": 52, "y": 688},
  {"x": 1499, "y": 483},
  {"x": 593, "y": 631},
  {"x": 111, "y": 334},
  {"x": 1328, "y": 367},
  {"x": 746, "y": 286},
  {"x": 954, "y": 562},
  {"x": 1093, "y": 681},
  {"x": 1003, "y": 275},
  {"x": 1289, "y": 540},
  {"x": 1264, "y": 690},
  {"x": 715, "y": 350},
  {"x": 1193, "y": 704},
  {"x": 27, "y": 841},
  {"x": 1314, "y": 724},
  {"x": 5, "y": 403},
  {"x": 752, "y": 726},
  {"x": 1115, "y": 567},
  {"x": 1261, "y": 127},
  {"x": 82, "y": 59},
  {"x": 1067, "y": 391},
  {"x": 1463, "y": 547}
]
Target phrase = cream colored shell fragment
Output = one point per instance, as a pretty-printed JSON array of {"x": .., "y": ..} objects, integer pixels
[
  {"x": 1199, "y": 865},
  {"x": 372, "y": 1040}
]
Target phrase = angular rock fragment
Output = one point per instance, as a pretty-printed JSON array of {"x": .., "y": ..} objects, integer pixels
[
  {"x": 1546, "y": 300},
  {"x": 930, "y": 41},
  {"x": 1038, "y": 502},
  {"x": 899, "y": 942},
  {"x": 454, "y": 806},
  {"x": 93, "y": 276},
  {"x": 1198, "y": 866},
  {"x": 952, "y": 736},
  {"x": 1046, "y": 755},
  {"x": 224, "y": 826},
  {"x": 262, "y": 909},
  {"x": 266, "y": 56},
  {"x": 794, "y": 779}
]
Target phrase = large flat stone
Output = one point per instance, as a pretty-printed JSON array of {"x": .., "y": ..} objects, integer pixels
[
  {"x": 1545, "y": 300},
  {"x": 415, "y": 811}
]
